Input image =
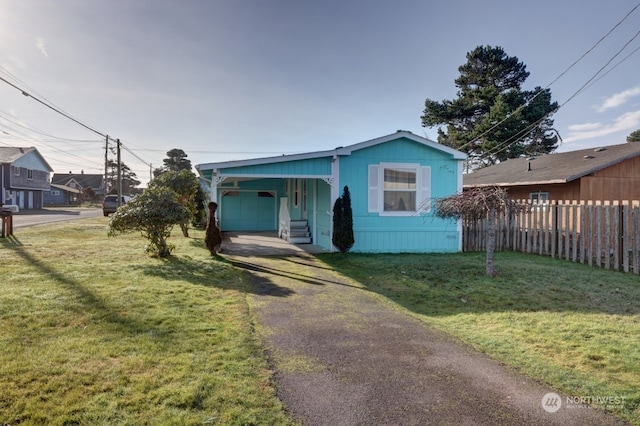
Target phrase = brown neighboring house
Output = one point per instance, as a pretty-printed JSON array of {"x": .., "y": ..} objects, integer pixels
[{"x": 610, "y": 173}]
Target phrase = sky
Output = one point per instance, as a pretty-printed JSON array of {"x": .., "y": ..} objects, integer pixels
[{"x": 235, "y": 79}]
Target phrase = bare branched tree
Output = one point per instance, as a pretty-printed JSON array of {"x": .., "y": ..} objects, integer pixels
[{"x": 479, "y": 203}]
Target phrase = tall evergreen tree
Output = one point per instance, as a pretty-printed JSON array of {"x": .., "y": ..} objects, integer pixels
[
  {"x": 634, "y": 136},
  {"x": 343, "y": 237},
  {"x": 493, "y": 118},
  {"x": 130, "y": 180},
  {"x": 176, "y": 160}
]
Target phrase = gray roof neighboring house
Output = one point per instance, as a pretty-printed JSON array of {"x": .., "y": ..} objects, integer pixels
[
  {"x": 551, "y": 168},
  {"x": 93, "y": 181},
  {"x": 9, "y": 154}
]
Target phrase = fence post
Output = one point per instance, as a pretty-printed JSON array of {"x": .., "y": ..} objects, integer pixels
[
  {"x": 636, "y": 238},
  {"x": 590, "y": 208},
  {"x": 616, "y": 236},
  {"x": 574, "y": 231},
  {"x": 598, "y": 254},
  {"x": 625, "y": 238},
  {"x": 523, "y": 227},
  {"x": 607, "y": 235},
  {"x": 554, "y": 226},
  {"x": 582, "y": 232}
]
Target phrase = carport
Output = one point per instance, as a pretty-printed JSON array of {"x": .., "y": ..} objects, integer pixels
[{"x": 247, "y": 244}]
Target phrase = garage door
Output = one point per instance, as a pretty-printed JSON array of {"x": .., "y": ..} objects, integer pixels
[{"x": 248, "y": 211}]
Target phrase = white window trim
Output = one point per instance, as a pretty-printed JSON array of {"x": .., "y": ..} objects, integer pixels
[
  {"x": 540, "y": 195},
  {"x": 29, "y": 174},
  {"x": 16, "y": 171},
  {"x": 376, "y": 188}
]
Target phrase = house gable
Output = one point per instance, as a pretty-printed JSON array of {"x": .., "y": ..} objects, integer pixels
[
  {"x": 27, "y": 158},
  {"x": 318, "y": 163},
  {"x": 93, "y": 181}
]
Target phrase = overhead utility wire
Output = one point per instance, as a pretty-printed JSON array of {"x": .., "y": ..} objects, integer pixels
[
  {"x": 595, "y": 45},
  {"x": 53, "y": 108},
  {"x": 21, "y": 136},
  {"x": 134, "y": 154},
  {"x": 576, "y": 93},
  {"x": 32, "y": 90},
  {"x": 64, "y": 114},
  {"x": 503, "y": 146},
  {"x": 557, "y": 78},
  {"x": 40, "y": 132},
  {"x": 613, "y": 67}
]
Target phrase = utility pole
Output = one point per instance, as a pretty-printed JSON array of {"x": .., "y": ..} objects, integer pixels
[
  {"x": 119, "y": 172},
  {"x": 106, "y": 165}
]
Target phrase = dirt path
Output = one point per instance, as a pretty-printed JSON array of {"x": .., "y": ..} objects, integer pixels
[{"x": 344, "y": 356}]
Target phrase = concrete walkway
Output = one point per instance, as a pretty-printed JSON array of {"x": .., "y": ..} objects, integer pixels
[{"x": 345, "y": 356}]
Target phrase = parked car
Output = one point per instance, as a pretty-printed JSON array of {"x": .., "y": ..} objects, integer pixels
[{"x": 110, "y": 203}]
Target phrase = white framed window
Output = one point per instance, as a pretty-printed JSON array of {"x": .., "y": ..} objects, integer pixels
[
  {"x": 29, "y": 174},
  {"x": 55, "y": 192},
  {"x": 16, "y": 171},
  {"x": 399, "y": 189},
  {"x": 540, "y": 196}
]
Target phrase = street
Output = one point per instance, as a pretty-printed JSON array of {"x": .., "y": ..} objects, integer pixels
[{"x": 27, "y": 218}]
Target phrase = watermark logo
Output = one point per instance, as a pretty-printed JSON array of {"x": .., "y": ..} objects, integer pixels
[{"x": 551, "y": 402}]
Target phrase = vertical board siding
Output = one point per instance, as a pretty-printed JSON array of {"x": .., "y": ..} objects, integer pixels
[
  {"x": 604, "y": 235},
  {"x": 375, "y": 233},
  {"x": 312, "y": 166}
]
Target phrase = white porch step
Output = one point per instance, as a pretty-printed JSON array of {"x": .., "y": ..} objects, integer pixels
[
  {"x": 300, "y": 240},
  {"x": 299, "y": 232}
]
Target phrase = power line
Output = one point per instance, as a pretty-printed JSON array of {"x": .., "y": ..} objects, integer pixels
[
  {"x": 64, "y": 114},
  {"x": 41, "y": 132},
  {"x": 26, "y": 138},
  {"x": 506, "y": 144},
  {"x": 560, "y": 76}
]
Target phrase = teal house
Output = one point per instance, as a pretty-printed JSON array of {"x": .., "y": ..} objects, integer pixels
[{"x": 392, "y": 180}]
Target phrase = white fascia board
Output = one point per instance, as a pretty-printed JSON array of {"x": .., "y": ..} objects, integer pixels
[
  {"x": 265, "y": 160},
  {"x": 347, "y": 150},
  {"x": 274, "y": 176},
  {"x": 538, "y": 182}
]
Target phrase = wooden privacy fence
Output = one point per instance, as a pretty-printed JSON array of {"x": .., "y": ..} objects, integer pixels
[{"x": 605, "y": 235}]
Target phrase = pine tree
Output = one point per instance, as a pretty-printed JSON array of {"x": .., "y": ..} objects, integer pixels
[
  {"x": 343, "y": 237},
  {"x": 493, "y": 118}
]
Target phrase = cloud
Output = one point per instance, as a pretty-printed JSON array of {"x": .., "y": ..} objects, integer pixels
[
  {"x": 584, "y": 127},
  {"x": 14, "y": 63},
  {"x": 627, "y": 121},
  {"x": 618, "y": 99},
  {"x": 41, "y": 47}
]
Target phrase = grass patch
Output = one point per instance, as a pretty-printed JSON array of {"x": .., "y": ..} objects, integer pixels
[
  {"x": 94, "y": 331},
  {"x": 573, "y": 327}
]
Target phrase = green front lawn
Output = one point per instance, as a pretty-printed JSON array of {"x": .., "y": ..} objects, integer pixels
[
  {"x": 571, "y": 326},
  {"x": 94, "y": 331}
]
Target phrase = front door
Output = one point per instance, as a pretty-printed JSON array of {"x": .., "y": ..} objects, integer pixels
[{"x": 298, "y": 196}]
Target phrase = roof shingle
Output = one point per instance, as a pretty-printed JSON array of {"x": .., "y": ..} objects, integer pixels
[{"x": 551, "y": 168}]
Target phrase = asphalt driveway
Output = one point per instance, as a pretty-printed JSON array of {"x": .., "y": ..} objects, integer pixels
[{"x": 345, "y": 356}]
